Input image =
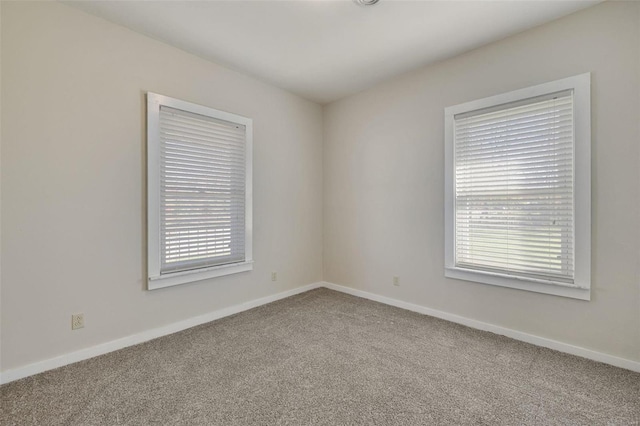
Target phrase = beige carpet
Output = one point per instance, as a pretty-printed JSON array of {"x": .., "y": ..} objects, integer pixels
[{"x": 323, "y": 357}]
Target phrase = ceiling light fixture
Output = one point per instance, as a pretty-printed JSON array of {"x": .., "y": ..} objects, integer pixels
[{"x": 365, "y": 2}]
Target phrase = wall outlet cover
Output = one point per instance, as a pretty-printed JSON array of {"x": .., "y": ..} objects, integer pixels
[{"x": 77, "y": 321}]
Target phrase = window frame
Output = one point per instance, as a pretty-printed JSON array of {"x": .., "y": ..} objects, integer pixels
[
  {"x": 155, "y": 279},
  {"x": 581, "y": 287}
]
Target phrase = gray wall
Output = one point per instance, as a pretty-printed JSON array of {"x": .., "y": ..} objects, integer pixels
[
  {"x": 72, "y": 175},
  {"x": 383, "y": 180},
  {"x": 73, "y": 195}
]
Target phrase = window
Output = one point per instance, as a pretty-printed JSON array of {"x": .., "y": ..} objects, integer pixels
[
  {"x": 518, "y": 189},
  {"x": 199, "y": 192}
]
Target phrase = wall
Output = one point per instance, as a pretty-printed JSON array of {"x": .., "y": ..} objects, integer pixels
[
  {"x": 383, "y": 180},
  {"x": 73, "y": 181},
  {"x": 72, "y": 173}
]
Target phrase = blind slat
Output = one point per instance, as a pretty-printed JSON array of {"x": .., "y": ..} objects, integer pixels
[
  {"x": 514, "y": 188},
  {"x": 202, "y": 191}
]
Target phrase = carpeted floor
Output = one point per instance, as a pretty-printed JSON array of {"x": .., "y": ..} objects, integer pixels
[{"x": 327, "y": 358}]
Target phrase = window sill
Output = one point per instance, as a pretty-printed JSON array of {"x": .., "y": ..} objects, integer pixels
[
  {"x": 556, "y": 289},
  {"x": 184, "y": 277}
]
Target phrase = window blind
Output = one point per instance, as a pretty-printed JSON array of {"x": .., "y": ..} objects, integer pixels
[
  {"x": 514, "y": 189},
  {"x": 202, "y": 191}
]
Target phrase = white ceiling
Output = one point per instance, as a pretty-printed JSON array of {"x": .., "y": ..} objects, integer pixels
[{"x": 324, "y": 50}]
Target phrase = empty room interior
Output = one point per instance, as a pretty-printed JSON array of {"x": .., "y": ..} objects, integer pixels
[{"x": 349, "y": 212}]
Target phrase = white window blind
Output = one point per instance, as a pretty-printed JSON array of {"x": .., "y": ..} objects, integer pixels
[
  {"x": 514, "y": 188},
  {"x": 202, "y": 191},
  {"x": 199, "y": 192}
]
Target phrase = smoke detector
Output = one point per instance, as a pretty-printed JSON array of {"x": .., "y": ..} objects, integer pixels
[{"x": 365, "y": 2}]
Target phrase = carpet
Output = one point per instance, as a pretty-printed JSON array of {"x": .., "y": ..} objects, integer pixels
[{"x": 327, "y": 358}]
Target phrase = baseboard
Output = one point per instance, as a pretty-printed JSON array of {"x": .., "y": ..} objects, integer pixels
[
  {"x": 114, "y": 345},
  {"x": 514, "y": 334}
]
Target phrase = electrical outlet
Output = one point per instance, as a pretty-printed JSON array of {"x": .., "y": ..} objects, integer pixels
[
  {"x": 274, "y": 276},
  {"x": 396, "y": 281},
  {"x": 77, "y": 321}
]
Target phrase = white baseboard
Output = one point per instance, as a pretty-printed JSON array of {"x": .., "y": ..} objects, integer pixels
[
  {"x": 114, "y": 345},
  {"x": 514, "y": 334}
]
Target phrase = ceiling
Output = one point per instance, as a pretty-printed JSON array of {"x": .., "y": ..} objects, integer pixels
[{"x": 324, "y": 50}]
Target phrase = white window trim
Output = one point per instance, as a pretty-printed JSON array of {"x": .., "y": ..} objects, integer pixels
[
  {"x": 155, "y": 279},
  {"x": 581, "y": 289}
]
